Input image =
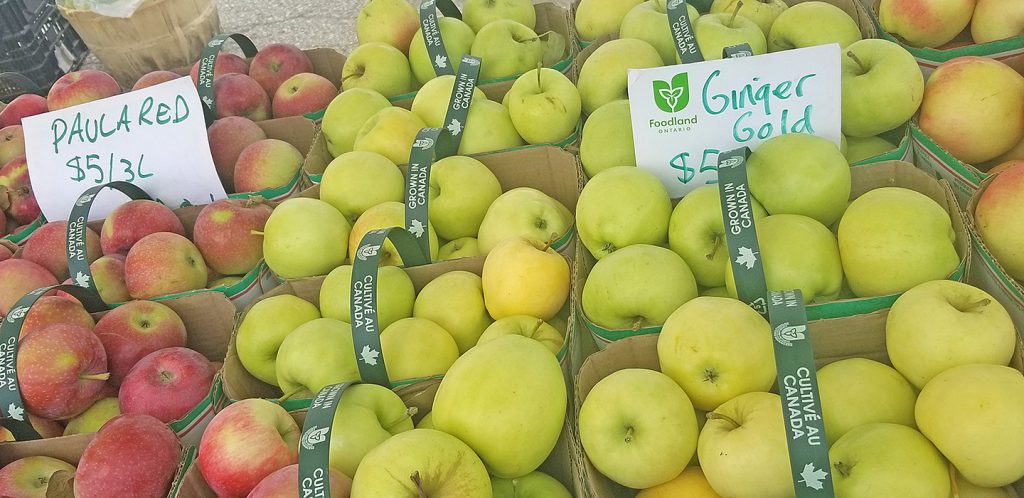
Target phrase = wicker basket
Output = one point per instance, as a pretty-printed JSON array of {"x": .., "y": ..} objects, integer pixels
[{"x": 161, "y": 34}]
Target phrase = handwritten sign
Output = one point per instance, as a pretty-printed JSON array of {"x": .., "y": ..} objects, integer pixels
[
  {"x": 684, "y": 115},
  {"x": 154, "y": 138}
]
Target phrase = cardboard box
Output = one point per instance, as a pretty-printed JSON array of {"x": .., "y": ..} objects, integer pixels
[
  {"x": 861, "y": 336},
  {"x": 988, "y": 274}
]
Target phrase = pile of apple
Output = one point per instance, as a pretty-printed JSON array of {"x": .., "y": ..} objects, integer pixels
[
  {"x": 392, "y": 57},
  {"x": 939, "y": 24},
  {"x": 881, "y": 83},
  {"x": 949, "y": 400},
  {"x": 996, "y": 218}
]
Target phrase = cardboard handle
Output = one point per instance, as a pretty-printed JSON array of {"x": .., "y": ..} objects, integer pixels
[
  {"x": 740, "y": 232},
  {"x": 682, "y": 32},
  {"x": 798, "y": 387},
  {"x": 458, "y": 106},
  {"x": 431, "y": 33},
  {"x": 78, "y": 260},
  {"x": 207, "y": 64},
  {"x": 13, "y": 414},
  {"x": 365, "y": 327},
  {"x": 315, "y": 443},
  {"x": 737, "y": 51}
]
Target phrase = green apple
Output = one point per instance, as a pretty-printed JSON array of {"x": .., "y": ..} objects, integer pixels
[
  {"x": 941, "y": 324},
  {"x": 457, "y": 37},
  {"x": 346, "y": 115},
  {"x": 431, "y": 101},
  {"x": 415, "y": 348},
  {"x": 532, "y": 485},
  {"x": 395, "y": 295},
  {"x": 797, "y": 253},
  {"x": 638, "y": 428},
  {"x": 696, "y": 232},
  {"x": 367, "y": 415},
  {"x": 969, "y": 490},
  {"x": 384, "y": 215},
  {"x": 637, "y": 286},
  {"x": 597, "y": 18},
  {"x": 523, "y": 212},
  {"x": 327, "y": 340},
  {"x": 489, "y": 128},
  {"x": 883, "y": 459},
  {"x": 523, "y": 277},
  {"x": 455, "y": 301},
  {"x": 93, "y": 417},
  {"x": 496, "y": 393},
  {"x": 379, "y": 67},
  {"x": 480, "y": 13},
  {"x": 715, "y": 32},
  {"x": 893, "y": 238},
  {"x": 859, "y": 149},
  {"x": 389, "y": 133},
  {"x": 356, "y": 181},
  {"x": 804, "y": 163},
  {"x": 742, "y": 447},
  {"x": 620, "y": 207},
  {"x": 762, "y": 12},
  {"x": 649, "y": 22},
  {"x": 461, "y": 190},
  {"x": 602, "y": 77},
  {"x": 807, "y": 24},
  {"x": 859, "y": 391},
  {"x": 526, "y": 326},
  {"x": 430, "y": 463},
  {"x": 544, "y": 106},
  {"x": 464, "y": 247},
  {"x": 717, "y": 349},
  {"x": 305, "y": 237},
  {"x": 264, "y": 327},
  {"x": 507, "y": 48},
  {"x": 882, "y": 87},
  {"x": 427, "y": 422},
  {"x": 387, "y": 21},
  {"x": 722, "y": 291},
  {"x": 607, "y": 139}
]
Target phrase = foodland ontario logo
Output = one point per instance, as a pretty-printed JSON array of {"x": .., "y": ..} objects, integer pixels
[{"x": 672, "y": 97}]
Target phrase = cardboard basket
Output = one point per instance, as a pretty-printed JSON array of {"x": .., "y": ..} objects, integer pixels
[
  {"x": 904, "y": 150},
  {"x": 861, "y": 336},
  {"x": 988, "y": 274},
  {"x": 931, "y": 157}
]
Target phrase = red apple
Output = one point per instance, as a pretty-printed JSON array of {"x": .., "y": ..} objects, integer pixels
[
  {"x": 48, "y": 247},
  {"x": 228, "y": 138},
  {"x": 108, "y": 276},
  {"x": 163, "y": 263},
  {"x": 21, "y": 107},
  {"x": 3, "y": 225},
  {"x": 277, "y": 62},
  {"x": 155, "y": 78},
  {"x": 132, "y": 221},
  {"x": 79, "y": 87},
  {"x": 51, "y": 310},
  {"x": 12, "y": 143},
  {"x": 240, "y": 95},
  {"x": 17, "y": 278},
  {"x": 226, "y": 64},
  {"x": 14, "y": 179},
  {"x": 302, "y": 94},
  {"x": 246, "y": 442},
  {"x": 284, "y": 484},
  {"x": 224, "y": 234},
  {"x": 28, "y": 477},
  {"x": 62, "y": 370},
  {"x": 997, "y": 218},
  {"x": 131, "y": 456},
  {"x": 1013, "y": 163},
  {"x": 267, "y": 164},
  {"x": 5, "y": 252},
  {"x": 166, "y": 384},
  {"x": 135, "y": 329}
]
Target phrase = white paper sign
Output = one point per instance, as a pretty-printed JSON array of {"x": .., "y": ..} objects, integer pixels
[
  {"x": 684, "y": 115},
  {"x": 154, "y": 138}
]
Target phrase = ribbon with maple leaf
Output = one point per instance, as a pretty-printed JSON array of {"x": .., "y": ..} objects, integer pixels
[
  {"x": 430, "y": 30},
  {"x": 207, "y": 64},
  {"x": 315, "y": 442}
]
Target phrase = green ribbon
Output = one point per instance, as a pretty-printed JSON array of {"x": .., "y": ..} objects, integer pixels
[
  {"x": 13, "y": 415},
  {"x": 363, "y": 306},
  {"x": 78, "y": 260},
  {"x": 431, "y": 33},
  {"x": 458, "y": 106},
  {"x": 682, "y": 32},
  {"x": 737, "y": 51},
  {"x": 740, "y": 233},
  {"x": 417, "y": 187},
  {"x": 207, "y": 63},
  {"x": 315, "y": 444},
  {"x": 798, "y": 388}
]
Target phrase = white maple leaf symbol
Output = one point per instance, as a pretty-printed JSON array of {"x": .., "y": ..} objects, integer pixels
[
  {"x": 813, "y": 477},
  {"x": 369, "y": 356},
  {"x": 746, "y": 258},
  {"x": 82, "y": 280},
  {"x": 16, "y": 412},
  {"x": 416, "y": 228},
  {"x": 455, "y": 127},
  {"x": 441, "y": 61},
  {"x": 208, "y": 101}
]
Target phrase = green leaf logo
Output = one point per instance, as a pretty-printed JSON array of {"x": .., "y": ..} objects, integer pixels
[{"x": 672, "y": 97}]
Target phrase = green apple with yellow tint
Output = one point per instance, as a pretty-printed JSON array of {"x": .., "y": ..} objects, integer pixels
[
  {"x": 384, "y": 215},
  {"x": 523, "y": 212},
  {"x": 304, "y": 238},
  {"x": 264, "y": 327},
  {"x": 461, "y": 191},
  {"x": 649, "y": 22},
  {"x": 527, "y": 326},
  {"x": 761, "y": 12},
  {"x": 328, "y": 340},
  {"x": 390, "y": 132},
  {"x": 715, "y": 32},
  {"x": 457, "y": 37},
  {"x": 367, "y": 415},
  {"x": 346, "y": 114},
  {"x": 395, "y": 295},
  {"x": 455, "y": 301},
  {"x": 883, "y": 459},
  {"x": 807, "y": 24},
  {"x": 607, "y": 139},
  {"x": 602, "y": 77},
  {"x": 621, "y": 207},
  {"x": 434, "y": 464},
  {"x": 464, "y": 247},
  {"x": 532, "y": 485},
  {"x": 414, "y": 348},
  {"x": 356, "y": 181},
  {"x": 859, "y": 391}
]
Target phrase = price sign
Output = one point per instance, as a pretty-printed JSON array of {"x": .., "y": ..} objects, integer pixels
[{"x": 154, "y": 138}]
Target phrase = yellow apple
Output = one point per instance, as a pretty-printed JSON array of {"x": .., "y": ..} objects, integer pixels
[
  {"x": 389, "y": 133},
  {"x": 522, "y": 277},
  {"x": 346, "y": 114},
  {"x": 691, "y": 483},
  {"x": 416, "y": 347},
  {"x": 356, "y": 181},
  {"x": 996, "y": 20},
  {"x": 526, "y": 326}
]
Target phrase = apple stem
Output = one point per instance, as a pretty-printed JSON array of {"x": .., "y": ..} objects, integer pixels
[
  {"x": 409, "y": 412},
  {"x": 547, "y": 244},
  {"x": 735, "y": 12},
  {"x": 540, "y": 65},
  {"x": 977, "y": 306},
  {"x": 850, "y": 54},
  {"x": 415, "y": 477},
  {"x": 255, "y": 232},
  {"x": 629, "y": 434},
  {"x": 288, "y": 395},
  {"x": 99, "y": 376},
  {"x": 952, "y": 481},
  {"x": 254, "y": 201},
  {"x": 714, "y": 249},
  {"x": 842, "y": 468},
  {"x": 719, "y": 416},
  {"x": 536, "y": 326}
]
